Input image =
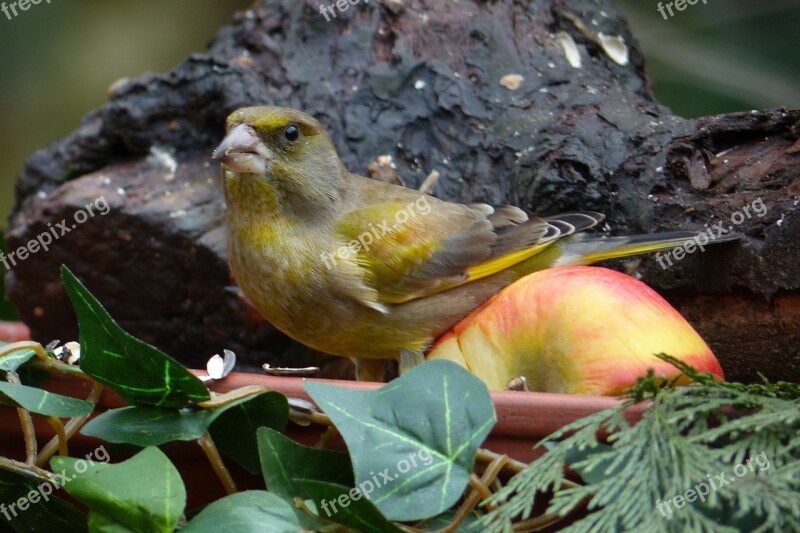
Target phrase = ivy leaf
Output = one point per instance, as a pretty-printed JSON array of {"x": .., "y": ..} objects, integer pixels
[
  {"x": 252, "y": 511},
  {"x": 40, "y": 510},
  {"x": 140, "y": 373},
  {"x": 42, "y": 402},
  {"x": 414, "y": 440},
  {"x": 14, "y": 360},
  {"x": 346, "y": 506},
  {"x": 154, "y": 426},
  {"x": 148, "y": 426},
  {"x": 234, "y": 432},
  {"x": 144, "y": 493},
  {"x": 283, "y": 460}
]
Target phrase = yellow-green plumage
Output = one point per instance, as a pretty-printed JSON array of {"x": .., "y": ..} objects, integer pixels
[{"x": 290, "y": 201}]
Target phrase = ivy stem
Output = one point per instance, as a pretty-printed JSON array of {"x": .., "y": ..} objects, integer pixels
[
  {"x": 25, "y": 420},
  {"x": 210, "y": 449},
  {"x": 18, "y": 466},
  {"x": 480, "y": 491},
  {"x": 478, "y": 486},
  {"x": 61, "y": 435},
  {"x": 8, "y": 349},
  {"x": 43, "y": 359},
  {"x": 488, "y": 456},
  {"x": 320, "y": 418},
  {"x": 324, "y": 441},
  {"x": 70, "y": 428},
  {"x": 29, "y": 434}
]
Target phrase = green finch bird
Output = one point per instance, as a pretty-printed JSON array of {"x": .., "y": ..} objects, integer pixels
[{"x": 360, "y": 268}]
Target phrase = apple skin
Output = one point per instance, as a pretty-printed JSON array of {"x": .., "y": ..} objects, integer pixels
[{"x": 576, "y": 330}]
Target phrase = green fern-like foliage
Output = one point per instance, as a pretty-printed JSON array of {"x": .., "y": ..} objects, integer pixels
[{"x": 729, "y": 452}]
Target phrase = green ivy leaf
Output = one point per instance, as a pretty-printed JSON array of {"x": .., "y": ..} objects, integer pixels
[
  {"x": 283, "y": 460},
  {"x": 234, "y": 431},
  {"x": 42, "y": 402},
  {"x": 253, "y": 511},
  {"x": 148, "y": 426},
  {"x": 144, "y": 493},
  {"x": 140, "y": 373},
  {"x": 346, "y": 506},
  {"x": 30, "y": 506},
  {"x": 414, "y": 440},
  {"x": 154, "y": 426},
  {"x": 14, "y": 360}
]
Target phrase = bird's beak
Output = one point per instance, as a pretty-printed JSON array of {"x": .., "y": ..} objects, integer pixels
[{"x": 243, "y": 151}]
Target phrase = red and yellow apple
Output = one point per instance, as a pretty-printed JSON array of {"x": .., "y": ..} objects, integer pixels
[{"x": 580, "y": 330}]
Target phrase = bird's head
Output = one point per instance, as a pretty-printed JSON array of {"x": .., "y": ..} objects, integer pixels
[{"x": 279, "y": 153}]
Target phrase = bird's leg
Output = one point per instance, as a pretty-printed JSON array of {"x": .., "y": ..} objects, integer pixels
[
  {"x": 409, "y": 359},
  {"x": 370, "y": 369}
]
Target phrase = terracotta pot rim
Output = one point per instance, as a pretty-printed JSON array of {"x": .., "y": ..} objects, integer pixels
[
  {"x": 14, "y": 332},
  {"x": 523, "y": 418},
  {"x": 519, "y": 414}
]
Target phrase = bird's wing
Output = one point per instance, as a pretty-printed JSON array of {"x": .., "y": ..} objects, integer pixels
[{"x": 405, "y": 252}]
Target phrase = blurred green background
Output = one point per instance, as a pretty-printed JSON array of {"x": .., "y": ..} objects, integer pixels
[{"x": 57, "y": 60}]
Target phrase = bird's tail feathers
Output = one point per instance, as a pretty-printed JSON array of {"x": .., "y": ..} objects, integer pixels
[{"x": 587, "y": 249}]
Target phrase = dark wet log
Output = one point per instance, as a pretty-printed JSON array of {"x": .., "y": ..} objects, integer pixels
[{"x": 481, "y": 92}]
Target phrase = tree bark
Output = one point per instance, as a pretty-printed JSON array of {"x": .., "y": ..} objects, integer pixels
[{"x": 483, "y": 93}]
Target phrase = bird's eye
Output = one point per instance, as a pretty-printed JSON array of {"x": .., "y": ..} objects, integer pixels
[{"x": 291, "y": 133}]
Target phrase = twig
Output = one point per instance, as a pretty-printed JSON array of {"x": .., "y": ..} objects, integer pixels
[
  {"x": 61, "y": 435},
  {"x": 71, "y": 427},
  {"x": 480, "y": 491},
  {"x": 488, "y": 456},
  {"x": 25, "y": 420},
  {"x": 326, "y": 438},
  {"x": 28, "y": 434},
  {"x": 210, "y": 449},
  {"x": 20, "y": 467},
  {"x": 478, "y": 486},
  {"x": 220, "y": 400},
  {"x": 43, "y": 360}
]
